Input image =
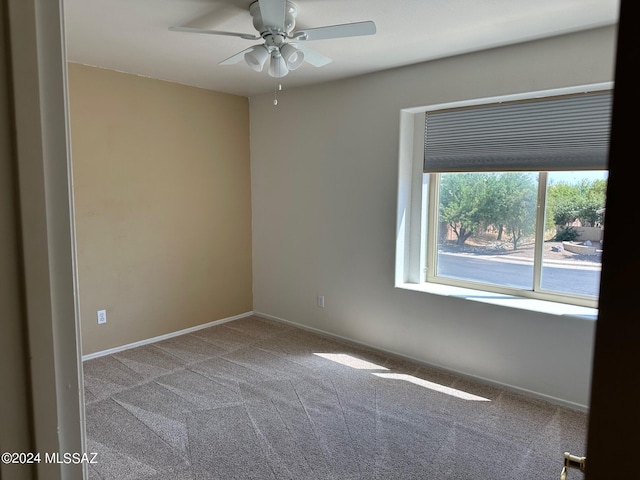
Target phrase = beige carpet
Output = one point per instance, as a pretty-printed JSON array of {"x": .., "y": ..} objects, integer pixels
[{"x": 257, "y": 399}]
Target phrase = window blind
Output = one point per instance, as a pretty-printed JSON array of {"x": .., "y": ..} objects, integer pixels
[{"x": 554, "y": 133}]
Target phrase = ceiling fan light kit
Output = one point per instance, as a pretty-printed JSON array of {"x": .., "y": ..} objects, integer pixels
[
  {"x": 277, "y": 67},
  {"x": 275, "y": 22},
  {"x": 292, "y": 55},
  {"x": 257, "y": 57}
]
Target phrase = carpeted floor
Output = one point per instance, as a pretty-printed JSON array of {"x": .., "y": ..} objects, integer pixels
[{"x": 257, "y": 399}]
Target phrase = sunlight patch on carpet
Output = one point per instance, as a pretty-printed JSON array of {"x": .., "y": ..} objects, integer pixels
[
  {"x": 433, "y": 386},
  {"x": 350, "y": 361}
]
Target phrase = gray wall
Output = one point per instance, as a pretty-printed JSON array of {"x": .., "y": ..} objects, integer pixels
[{"x": 324, "y": 183}]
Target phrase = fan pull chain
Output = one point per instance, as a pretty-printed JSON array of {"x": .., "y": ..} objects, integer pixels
[
  {"x": 275, "y": 92},
  {"x": 276, "y": 87}
]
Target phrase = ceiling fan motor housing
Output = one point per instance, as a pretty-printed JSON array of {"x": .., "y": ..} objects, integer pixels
[{"x": 290, "y": 14}]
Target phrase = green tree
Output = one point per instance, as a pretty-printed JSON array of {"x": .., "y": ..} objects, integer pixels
[
  {"x": 584, "y": 201},
  {"x": 592, "y": 197},
  {"x": 562, "y": 203},
  {"x": 461, "y": 203},
  {"x": 505, "y": 200},
  {"x": 496, "y": 203},
  {"x": 519, "y": 215}
]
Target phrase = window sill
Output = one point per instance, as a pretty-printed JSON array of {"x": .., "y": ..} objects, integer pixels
[{"x": 510, "y": 301}]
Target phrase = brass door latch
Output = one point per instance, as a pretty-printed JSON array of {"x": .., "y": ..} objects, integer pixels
[{"x": 571, "y": 461}]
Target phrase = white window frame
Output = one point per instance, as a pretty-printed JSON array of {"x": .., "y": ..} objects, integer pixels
[{"x": 413, "y": 211}]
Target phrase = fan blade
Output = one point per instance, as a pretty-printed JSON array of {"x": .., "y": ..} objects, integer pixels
[
  {"x": 238, "y": 57},
  {"x": 217, "y": 16},
  {"x": 246, "y": 36},
  {"x": 336, "y": 31},
  {"x": 272, "y": 12},
  {"x": 312, "y": 56}
]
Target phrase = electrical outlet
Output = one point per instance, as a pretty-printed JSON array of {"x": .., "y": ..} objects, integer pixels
[
  {"x": 321, "y": 301},
  {"x": 102, "y": 317}
]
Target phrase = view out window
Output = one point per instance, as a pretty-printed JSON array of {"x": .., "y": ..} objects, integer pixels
[
  {"x": 513, "y": 196},
  {"x": 488, "y": 231}
]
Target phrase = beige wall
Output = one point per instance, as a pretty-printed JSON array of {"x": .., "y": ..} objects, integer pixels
[{"x": 162, "y": 203}]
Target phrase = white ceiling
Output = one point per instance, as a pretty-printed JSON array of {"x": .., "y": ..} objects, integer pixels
[{"x": 132, "y": 35}]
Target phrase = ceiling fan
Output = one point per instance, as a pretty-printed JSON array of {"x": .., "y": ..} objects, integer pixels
[{"x": 275, "y": 22}]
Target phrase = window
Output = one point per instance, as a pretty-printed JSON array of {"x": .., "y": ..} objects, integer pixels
[{"x": 504, "y": 199}]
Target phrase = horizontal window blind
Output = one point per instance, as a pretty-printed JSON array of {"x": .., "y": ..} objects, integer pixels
[{"x": 554, "y": 133}]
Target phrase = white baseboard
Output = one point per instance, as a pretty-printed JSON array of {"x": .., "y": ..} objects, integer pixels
[
  {"x": 164, "y": 337},
  {"x": 504, "y": 386}
]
